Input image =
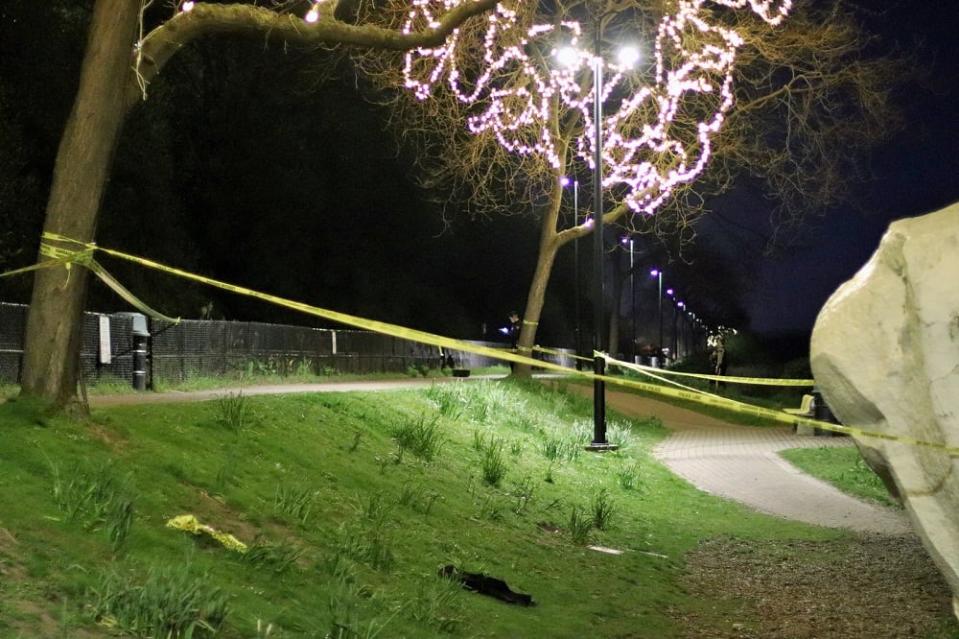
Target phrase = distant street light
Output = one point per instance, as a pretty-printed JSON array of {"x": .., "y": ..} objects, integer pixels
[{"x": 657, "y": 273}]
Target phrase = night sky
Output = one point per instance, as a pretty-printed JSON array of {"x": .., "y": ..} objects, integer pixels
[
  {"x": 914, "y": 173},
  {"x": 247, "y": 165}
]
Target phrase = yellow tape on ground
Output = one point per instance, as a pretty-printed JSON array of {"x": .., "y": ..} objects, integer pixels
[
  {"x": 754, "y": 381},
  {"x": 422, "y": 337},
  {"x": 189, "y": 523}
]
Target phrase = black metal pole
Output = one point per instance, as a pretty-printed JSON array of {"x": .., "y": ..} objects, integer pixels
[
  {"x": 578, "y": 329},
  {"x": 599, "y": 364},
  {"x": 659, "y": 355},
  {"x": 632, "y": 296},
  {"x": 674, "y": 345}
]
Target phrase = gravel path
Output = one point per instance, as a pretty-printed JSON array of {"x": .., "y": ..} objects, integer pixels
[
  {"x": 741, "y": 463},
  {"x": 867, "y": 586}
]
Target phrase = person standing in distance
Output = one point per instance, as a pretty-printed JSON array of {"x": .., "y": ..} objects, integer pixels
[{"x": 513, "y": 332}]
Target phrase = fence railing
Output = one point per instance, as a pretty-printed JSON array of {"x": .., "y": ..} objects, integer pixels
[{"x": 210, "y": 348}]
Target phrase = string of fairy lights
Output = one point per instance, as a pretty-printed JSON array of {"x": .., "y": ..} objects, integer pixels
[{"x": 512, "y": 90}]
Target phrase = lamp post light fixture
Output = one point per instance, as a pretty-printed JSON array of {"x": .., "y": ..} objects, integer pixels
[{"x": 570, "y": 57}]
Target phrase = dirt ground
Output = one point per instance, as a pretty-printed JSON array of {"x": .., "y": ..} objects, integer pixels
[{"x": 873, "y": 587}]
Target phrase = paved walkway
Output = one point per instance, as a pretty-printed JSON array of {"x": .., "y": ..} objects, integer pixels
[{"x": 741, "y": 463}]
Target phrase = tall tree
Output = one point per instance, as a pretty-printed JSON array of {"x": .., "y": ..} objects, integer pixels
[
  {"x": 725, "y": 88},
  {"x": 127, "y": 47}
]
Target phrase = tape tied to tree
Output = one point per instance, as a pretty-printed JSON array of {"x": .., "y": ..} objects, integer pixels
[
  {"x": 60, "y": 255},
  {"x": 82, "y": 255}
]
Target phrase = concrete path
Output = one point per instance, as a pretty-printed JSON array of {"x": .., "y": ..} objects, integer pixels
[{"x": 741, "y": 463}]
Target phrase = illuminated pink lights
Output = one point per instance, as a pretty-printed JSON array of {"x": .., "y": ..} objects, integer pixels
[{"x": 646, "y": 153}]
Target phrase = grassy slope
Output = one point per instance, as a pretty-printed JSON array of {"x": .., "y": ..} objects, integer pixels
[
  {"x": 843, "y": 468},
  {"x": 181, "y": 459}
]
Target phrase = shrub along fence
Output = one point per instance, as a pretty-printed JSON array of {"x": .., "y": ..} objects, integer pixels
[{"x": 210, "y": 348}]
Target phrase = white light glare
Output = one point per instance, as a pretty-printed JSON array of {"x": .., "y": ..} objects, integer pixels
[
  {"x": 187, "y": 6},
  {"x": 567, "y": 56},
  {"x": 628, "y": 56},
  {"x": 312, "y": 15}
]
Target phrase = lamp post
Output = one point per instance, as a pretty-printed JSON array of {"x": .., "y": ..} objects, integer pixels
[
  {"x": 658, "y": 273},
  {"x": 678, "y": 327},
  {"x": 577, "y": 333},
  {"x": 632, "y": 294},
  {"x": 669, "y": 294},
  {"x": 599, "y": 364},
  {"x": 571, "y": 57}
]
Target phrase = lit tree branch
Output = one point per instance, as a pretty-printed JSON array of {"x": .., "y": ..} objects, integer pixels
[
  {"x": 202, "y": 19},
  {"x": 511, "y": 91}
]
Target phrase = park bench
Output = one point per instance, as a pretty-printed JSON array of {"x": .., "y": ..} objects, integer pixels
[{"x": 806, "y": 409}]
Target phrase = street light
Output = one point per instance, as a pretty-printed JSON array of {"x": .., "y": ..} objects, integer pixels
[
  {"x": 632, "y": 293},
  {"x": 678, "y": 328},
  {"x": 564, "y": 182},
  {"x": 570, "y": 57},
  {"x": 657, "y": 273}
]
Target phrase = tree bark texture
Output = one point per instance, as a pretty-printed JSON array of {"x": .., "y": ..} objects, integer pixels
[
  {"x": 81, "y": 173},
  {"x": 534, "y": 302}
]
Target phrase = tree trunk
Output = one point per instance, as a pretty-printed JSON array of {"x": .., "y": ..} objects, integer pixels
[
  {"x": 82, "y": 169},
  {"x": 534, "y": 300}
]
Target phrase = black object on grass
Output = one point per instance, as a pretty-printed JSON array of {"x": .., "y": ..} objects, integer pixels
[{"x": 485, "y": 585}]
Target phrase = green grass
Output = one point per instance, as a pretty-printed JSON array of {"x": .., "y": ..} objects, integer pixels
[
  {"x": 844, "y": 468},
  {"x": 347, "y": 533}
]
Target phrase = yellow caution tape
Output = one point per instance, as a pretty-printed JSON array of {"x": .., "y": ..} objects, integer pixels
[
  {"x": 559, "y": 353},
  {"x": 648, "y": 371},
  {"x": 190, "y": 524},
  {"x": 683, "y": 392},
  {"x": 755, "y": 381},
  {"x": 84, "y": 258}
]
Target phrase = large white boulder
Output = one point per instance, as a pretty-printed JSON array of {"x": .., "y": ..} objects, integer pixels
[{"x": 885, "y": 353}]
